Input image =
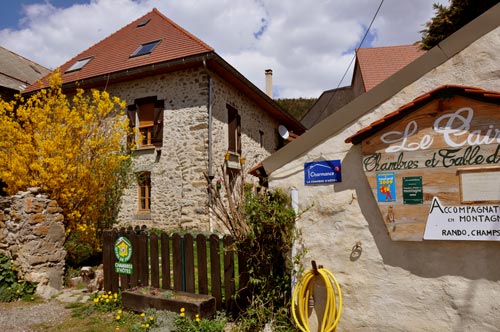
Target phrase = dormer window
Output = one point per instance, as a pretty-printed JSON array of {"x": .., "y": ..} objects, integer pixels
[
  {"x": 145, "y": 48},
  {"x": 79, "y": 64}
]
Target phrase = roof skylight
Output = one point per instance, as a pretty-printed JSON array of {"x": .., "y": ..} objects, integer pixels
[
  {"x": 143, "y": 22},
  {"x": 145, "y": 48},
  {"x": 79, "y": 64}
]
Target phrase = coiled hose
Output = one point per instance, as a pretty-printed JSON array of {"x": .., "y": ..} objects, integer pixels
[{"x": 304, "y": 290}]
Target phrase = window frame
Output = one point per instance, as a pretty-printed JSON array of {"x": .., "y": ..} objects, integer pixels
[
  {"x": 144, "y": 49},
  {"x": 144, "y": 193},
  {"x": 79, "y": 64}
]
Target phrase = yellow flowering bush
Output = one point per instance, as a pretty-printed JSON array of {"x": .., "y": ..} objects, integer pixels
[{"x": 73, "y": 148}]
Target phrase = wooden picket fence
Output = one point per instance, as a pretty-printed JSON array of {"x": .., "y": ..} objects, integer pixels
[{"x": 200, "y": 264}]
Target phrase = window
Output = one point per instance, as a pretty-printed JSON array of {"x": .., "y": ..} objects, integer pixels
[
  {"x": 144, "y": 192},
  {"x": 145, "y": 48},
  {"x": 234, "y": 130},
  {"x": 147, "y": 115},
  {"x": 143, "y": 22},
  {"x": 79, "y": 64}
]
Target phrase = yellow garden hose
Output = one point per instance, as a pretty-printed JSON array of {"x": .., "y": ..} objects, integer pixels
[{"x": 303, "y": 292}]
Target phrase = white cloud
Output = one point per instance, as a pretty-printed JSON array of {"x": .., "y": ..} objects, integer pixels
[{"x": 308, "y": 44}]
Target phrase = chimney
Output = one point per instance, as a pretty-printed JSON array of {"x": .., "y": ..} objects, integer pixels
[{"x": 269, "y": 82}]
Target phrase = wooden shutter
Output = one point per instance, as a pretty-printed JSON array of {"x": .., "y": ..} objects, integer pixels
[{"x": 157, "y": 137}]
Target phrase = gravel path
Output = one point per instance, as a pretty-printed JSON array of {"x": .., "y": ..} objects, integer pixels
[{"x": 21, "y": 316}]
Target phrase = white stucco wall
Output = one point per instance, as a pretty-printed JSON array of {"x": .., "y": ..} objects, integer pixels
[{"x": 443, "y": 286}]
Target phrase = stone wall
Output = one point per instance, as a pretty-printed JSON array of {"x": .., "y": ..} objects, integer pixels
[
  {"x": 32, "y": 234},
  {"x": 179, "y": 189},
  {"x": 441, "y": 286}
]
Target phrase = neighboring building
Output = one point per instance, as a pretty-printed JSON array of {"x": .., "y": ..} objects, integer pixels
[
  {"x": 373, "y": 65},
  {"x": 16, "y": 73},
  {"x": 396, "y": 272},
  {"x": 192, "y": 108}
]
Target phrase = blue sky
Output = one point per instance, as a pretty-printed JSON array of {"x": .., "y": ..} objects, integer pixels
[{"x": 308, "y": 43}]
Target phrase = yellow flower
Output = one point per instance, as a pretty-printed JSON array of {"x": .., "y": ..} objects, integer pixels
[
  {"x": 151, "y": 318},
  {"x": 147, "y": 325},
  {"x": 197, "y": 317},
  {"x": 118, "y": 317},
  {"x": 183, "y": 310},
  {"x": 143, "y": 314},
  {"x": 96, "y": 300},
  {"x": 117, "y": 328},
  {"x": 182, "y": 314},
  {"x": 115, "y": 295},
  {"x": 107, "y": 300},
  {"x": 119, "y": 311}
]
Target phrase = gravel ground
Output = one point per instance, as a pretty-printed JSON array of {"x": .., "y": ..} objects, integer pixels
[{"x": 21, "y": 316}]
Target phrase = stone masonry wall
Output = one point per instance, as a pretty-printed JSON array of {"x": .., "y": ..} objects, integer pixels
[
  {"x": 394, "y": 286},
  {"x": 32, "y": 234},
  {"x": 178, "y": 188}
]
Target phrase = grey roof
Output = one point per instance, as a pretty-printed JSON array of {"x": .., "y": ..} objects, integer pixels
[
  {"x": 16, "y": 72},
  {"x": 446, "y": 50}
]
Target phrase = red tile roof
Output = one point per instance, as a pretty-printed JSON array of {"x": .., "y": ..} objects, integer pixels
[
  {"x": 111, "y": 62},
  {"x": 112, "y": 54},
  {"x": 445, "y": 90},
  {"x": 378, "y": 63}
]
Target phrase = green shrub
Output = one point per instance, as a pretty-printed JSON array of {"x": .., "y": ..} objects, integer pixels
[
  {"x": 11, "y": 286},
  {"x": 198, "y": 324}
]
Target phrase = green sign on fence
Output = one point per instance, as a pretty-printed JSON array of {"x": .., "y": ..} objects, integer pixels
[
  {"x": 123, "y": 253},
  {"x": 123, "y": 268}
]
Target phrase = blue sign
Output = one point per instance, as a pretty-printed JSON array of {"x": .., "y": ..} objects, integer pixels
[
  {"x": 326, "y": 171},
  {"x": 386, "y": 186}
]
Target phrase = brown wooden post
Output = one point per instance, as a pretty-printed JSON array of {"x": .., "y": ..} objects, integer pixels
[
  {"x": 189, "y": 263},
  {"x": 155, "y": 261},
  {"x": 143, "y": 259},
  {"x": 165, "y": 261},
  {"x": 177, "y": 261},
  {"x": 215, "y": 271},
  {"x": 229, "y": 287},
  {"x": 124, "y": 278},
  {"x": 109, "y": 237},
  {"x": 201, "y": 250},
  {"x": 134, "y": 260}
]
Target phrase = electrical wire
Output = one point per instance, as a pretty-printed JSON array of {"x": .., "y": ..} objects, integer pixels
[
  {"x": 304, "y": 292},
  {"x": 352, "y": 60}
]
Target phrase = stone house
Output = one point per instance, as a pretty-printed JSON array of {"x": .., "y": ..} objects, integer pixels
[
  {"x": 396, "y": 273},
  {"x": 195, "y": 113}
]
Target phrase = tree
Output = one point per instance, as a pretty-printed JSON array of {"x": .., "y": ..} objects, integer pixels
[
  {"x": 72, "y": 148},
  {"x": 449, "y": 19}
]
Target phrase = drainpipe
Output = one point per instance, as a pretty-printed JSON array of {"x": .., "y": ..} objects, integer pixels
[
  {"x": 210, "y": 140},
  {"x": 210, "y": 171}
]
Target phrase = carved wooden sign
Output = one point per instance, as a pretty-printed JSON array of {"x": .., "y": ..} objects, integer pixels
[{"x": 443, "y": 153}]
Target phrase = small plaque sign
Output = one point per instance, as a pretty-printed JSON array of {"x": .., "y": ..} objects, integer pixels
[
  {"x": 320, "y": 172},
  {"x": 386, "y": 187},
  {"x": 412, "y": 190}
]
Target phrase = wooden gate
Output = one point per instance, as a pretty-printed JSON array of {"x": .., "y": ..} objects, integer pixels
[{"x": 200, "y": 265}]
